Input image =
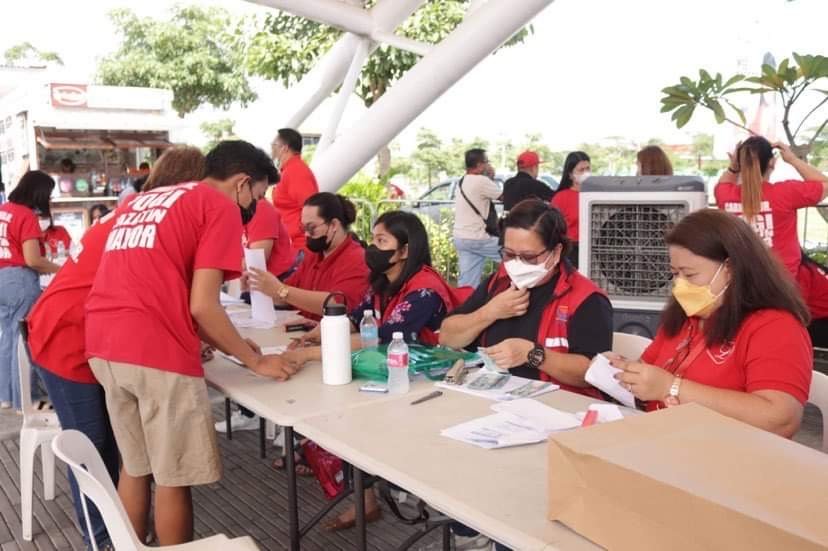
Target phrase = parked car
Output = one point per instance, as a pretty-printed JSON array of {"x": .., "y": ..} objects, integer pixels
[{"x": 443, "y": 195}]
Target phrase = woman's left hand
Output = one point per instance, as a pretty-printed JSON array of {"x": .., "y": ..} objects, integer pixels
[
  {"x": 645, "y": 381},
  {"x": 264, "y": 282},
  {"x": 510, "y": 353}
]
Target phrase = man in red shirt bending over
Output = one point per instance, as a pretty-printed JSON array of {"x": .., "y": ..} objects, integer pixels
[
  {"x": 155, "y": 297},
  {"x": 297, "y": 183}
]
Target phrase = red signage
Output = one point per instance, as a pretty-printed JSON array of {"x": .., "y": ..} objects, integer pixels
[{"x": 68, "y": 95}]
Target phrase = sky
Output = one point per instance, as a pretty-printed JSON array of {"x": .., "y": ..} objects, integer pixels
[{"x": 593, "y": 69}]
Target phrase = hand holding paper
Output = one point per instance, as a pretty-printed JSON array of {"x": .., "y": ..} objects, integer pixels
[
  {"x": 262, "y": 304},
  {"x": 601, "y": 375}
]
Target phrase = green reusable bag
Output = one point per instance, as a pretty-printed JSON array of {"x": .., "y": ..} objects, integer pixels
[{"x": 431, "y": 361}]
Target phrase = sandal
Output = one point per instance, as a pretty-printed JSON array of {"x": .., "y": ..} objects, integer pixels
[
  {"x": 339, "y": 523},
  {"x": 302, "y": 467}
]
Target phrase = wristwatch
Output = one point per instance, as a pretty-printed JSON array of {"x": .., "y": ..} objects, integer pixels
[
  {"x": 673, "y": 397},
  {"x": 282, "y": 293},
  {"x": 536, "y": 356}
]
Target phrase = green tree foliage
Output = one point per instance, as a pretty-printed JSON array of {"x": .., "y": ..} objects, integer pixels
[
  {"x": 794, "y": 80},
  {"x": 217, "y": 131},
  {"x": 198, "y": 53},
  {"x": 431, "y": 158},
  {"x": 25, "y": 54}
]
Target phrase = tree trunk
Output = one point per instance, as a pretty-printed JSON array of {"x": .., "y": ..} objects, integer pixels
[{"x": 384, "y": 163}]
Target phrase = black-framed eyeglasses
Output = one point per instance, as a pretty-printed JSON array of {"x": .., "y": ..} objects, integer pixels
[
  {"x": 310, "y": 229},
  {"x": 506, "y": 255}
]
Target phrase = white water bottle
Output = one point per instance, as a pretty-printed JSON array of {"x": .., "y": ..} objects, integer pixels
[
  {"x": 368, "y": 330},
  {"x": 335, "y": 330},
  {"x": 397, "y": 361}
]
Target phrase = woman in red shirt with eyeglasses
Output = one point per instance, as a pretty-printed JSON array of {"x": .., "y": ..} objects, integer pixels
[{"x": 733, "y": 337}]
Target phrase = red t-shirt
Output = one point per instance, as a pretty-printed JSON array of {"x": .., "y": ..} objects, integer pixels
[
  {"x": 296, "y": 185},
  {"x": 18, "y": 224},
  {"x": 55, "y": 235},
  {"x": 267, "y": 224},
  {"x": 138, "y": 311},
  {"x": 771, "y": 351},
  {"x": 776, "y": 221},
  {"x": 57, "y": 339},
  {"x": 343, "y": 270},
  {"x": 567, "y": 202}
]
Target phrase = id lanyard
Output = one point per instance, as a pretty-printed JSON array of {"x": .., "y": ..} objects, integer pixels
[{"x": 692, "y": 353}]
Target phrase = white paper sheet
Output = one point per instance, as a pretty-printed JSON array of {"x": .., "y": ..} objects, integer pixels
[
  {"x": 606, "y": 413},
  {"x": 227, "y": 300},
  {"x": 514, "y": 388},
  {"x": 262, "y": 305},
  {"x": 601, "y": 375},
  {"x": 541, "y": 415},
  {"x": 266, "y": 350}
]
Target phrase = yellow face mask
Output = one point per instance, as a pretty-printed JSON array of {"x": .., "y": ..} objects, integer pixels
[{"x": 696, "y": 300}]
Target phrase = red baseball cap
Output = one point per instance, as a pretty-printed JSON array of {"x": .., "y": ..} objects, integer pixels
[{"x": 528, "y": 159}]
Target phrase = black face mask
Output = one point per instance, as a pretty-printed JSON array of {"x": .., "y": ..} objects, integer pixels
[
  {"x": 318, "y": 244},
  {"x": 247, "y": 213},
  {"x": 378, "y": 260}
]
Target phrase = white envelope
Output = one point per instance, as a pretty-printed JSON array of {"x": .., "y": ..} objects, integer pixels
[
  {"x": 262, "y": 305},
  {"x": 601, "y": 375}
]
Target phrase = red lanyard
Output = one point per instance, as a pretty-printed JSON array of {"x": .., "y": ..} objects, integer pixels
[{"x": 694, "y": 353}]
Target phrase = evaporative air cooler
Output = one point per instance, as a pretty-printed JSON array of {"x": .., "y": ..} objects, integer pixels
[{"x": 623, "y": 220}]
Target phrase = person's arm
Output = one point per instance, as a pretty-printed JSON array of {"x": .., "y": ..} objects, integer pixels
[
  {"x": 490, "y": 190},
  {"x": 461, "y": 329},
  {"x": 35, "y": 260},
  {"x": 217, "y": 329},
  {"x": 806, "y": 171}
]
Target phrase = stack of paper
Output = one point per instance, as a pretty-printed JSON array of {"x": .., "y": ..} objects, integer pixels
[
  {"x": 500, "y": 386},
  {"x": 601, "y": 375},
  {"x": 516, "y": 423}
]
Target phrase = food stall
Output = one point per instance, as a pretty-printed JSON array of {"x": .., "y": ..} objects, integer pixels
[{"x": 105, "y": 131}]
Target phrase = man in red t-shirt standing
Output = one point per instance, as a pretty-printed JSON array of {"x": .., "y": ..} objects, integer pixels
[
  {"x": 155, "y": 297},
  {"x": 297, "y": 183}
]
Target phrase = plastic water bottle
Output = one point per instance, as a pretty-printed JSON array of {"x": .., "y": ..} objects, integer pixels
[
  {"x": 398, "y": 382},
  {"x": 60, "y": 256},
  {"x": 368, "y": 330}
]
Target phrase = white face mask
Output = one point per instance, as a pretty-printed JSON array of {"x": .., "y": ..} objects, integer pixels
[
  {"x": 583, "y": 176},
  {"x": 44, "y": 224},
  {"x": 525, "y": 276}
]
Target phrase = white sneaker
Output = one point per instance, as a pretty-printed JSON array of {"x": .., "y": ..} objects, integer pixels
[
  {"x": 472, "y": 543},
  {"x": 239, "y": 422},
  {"x": 5, "y": 405}
]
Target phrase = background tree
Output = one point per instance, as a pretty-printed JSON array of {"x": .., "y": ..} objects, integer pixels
[
  {"x": 430, "y": 159},
  {"x": 794, "y": 81},
  {"x": 27, "y": 55},
  {"x": 198, "y": 53},
  {"x": 286, "y": 47},
  {"x": 217, "y": 131}
]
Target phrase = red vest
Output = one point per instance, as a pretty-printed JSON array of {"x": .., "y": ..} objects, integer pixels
[
  {"x": 571, "y": 290},
  {"x": 426, "y": 278}
]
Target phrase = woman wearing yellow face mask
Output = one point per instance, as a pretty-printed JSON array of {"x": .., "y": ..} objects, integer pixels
[{"x": 733, "y": 337}]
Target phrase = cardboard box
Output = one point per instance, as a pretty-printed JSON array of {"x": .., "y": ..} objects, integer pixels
[{"x": 687, "y": 478}]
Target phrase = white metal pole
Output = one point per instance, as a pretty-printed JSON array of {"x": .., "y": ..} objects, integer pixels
[
  {"x": 347, "y": 17},
  {"x": 331, "y": 69},
  {"x": 474, "y": 39},
  {"x": 345, "y": 92}
]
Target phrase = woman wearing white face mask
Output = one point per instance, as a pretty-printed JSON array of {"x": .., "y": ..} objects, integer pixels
[
  {"x": 733, "y": 338},
  {"x": 576, "y": 169},
  {"x": 536, "y": 316}
]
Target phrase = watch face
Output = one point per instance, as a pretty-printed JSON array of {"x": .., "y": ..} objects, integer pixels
[{"x": 536, "y": 357}]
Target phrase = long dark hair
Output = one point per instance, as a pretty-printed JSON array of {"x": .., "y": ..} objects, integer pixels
[
  {"x": 757, "y": 279},
  {"x": 34, "y": 190},
  {"x": 333, "y": 206},
  {"x": 570, "y": 163},
  {"x": 407, "y": 229},
  {"x": 753, "y": 157}
]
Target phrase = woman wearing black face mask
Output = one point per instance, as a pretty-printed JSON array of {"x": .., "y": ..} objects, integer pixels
[
  {"x": 334, "y": 261},
  {"x": 409, "y": 297}
]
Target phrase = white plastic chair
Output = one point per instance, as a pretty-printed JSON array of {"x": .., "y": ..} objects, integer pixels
[
  {"x": 818, "y": 396},
  {"x": 38, "y": 430},
  {"x": 629, "y": 346},
  {"x": 74, "y": 448}
]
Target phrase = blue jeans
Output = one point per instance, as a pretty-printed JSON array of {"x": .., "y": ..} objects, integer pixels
[
  {"x": 19, "y": 289},
  {"x": 472, "y": 253},
  {"x": 81, "y": 406}
]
